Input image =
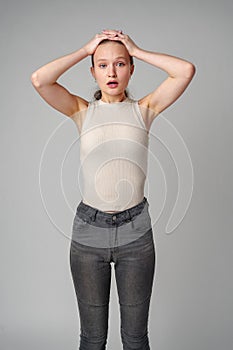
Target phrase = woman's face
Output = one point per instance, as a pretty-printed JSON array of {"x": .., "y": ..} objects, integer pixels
[{"x": 112, "y": 70}]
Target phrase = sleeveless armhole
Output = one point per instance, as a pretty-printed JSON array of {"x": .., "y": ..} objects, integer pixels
[
  {"x": 79, "y": 118},
  {"x": 89, "y": 111},
  {"x": 139, "y": 115}
]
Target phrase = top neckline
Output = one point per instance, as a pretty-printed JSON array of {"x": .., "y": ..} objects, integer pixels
[{"x": 127, "y": 99}]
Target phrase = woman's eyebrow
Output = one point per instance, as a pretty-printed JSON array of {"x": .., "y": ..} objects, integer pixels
[
  {"x": 101, "y": 59},
  {"x": 117, "y": 58},
  {"x": 120, "y": 57}
]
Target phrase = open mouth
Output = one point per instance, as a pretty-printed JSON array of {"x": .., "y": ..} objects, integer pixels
[{"x": 112, "y": 84}]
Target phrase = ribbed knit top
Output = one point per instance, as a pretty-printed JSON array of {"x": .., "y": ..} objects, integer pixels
[{"x": 113, "y": 155}]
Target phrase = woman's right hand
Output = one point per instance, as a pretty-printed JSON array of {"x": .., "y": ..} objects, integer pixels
[
  {"x": 91, "y": 46},
  {"x": 45, "y": 78}
]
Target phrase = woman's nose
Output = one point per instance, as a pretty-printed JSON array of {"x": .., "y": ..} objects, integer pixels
[{"x": 111, "y": 71}]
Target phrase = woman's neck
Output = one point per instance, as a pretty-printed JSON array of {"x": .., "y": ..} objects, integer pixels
[{"x": 113, "y": 99}]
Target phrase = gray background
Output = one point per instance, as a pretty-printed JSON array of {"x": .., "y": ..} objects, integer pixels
[{"x": 192, "y": 298}]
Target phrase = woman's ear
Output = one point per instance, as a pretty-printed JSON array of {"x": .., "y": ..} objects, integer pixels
[
  {"x": 131, "y": 69},
  {"x": 92, "y": 72}
]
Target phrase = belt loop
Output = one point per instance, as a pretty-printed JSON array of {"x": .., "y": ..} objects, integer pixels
[
  {"x": 130, "y": 219},
  {"x": 94, "y": 217}
]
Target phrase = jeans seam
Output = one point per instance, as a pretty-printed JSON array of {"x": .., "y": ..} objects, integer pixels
[{"x": 89, "y": 304}]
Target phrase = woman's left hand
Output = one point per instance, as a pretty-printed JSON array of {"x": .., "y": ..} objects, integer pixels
[{"x": 125, "y": 39}]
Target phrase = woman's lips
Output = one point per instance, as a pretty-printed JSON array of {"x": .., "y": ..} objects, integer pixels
[{"x": 112, "y": 84}]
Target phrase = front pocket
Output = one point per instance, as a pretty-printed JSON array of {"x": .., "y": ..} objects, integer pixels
[{"x": 79, "y": 223}]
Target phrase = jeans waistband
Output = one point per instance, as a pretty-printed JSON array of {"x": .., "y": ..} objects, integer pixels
[{"x": 89, "y": 213}]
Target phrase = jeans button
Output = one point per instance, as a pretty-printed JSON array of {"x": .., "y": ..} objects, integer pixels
[{"x": 114, "y": 217}]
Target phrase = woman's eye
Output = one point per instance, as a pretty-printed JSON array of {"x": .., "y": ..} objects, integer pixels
[
  {"x": 120, "y": 64},
  {"x": 102, "y": 65}
]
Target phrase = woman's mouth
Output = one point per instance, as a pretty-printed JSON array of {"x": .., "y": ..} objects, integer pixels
[{"x": 112, "y": 84}]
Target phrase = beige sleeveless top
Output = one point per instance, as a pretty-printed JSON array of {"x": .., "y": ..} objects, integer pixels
[{"x": 113, "y": 155}]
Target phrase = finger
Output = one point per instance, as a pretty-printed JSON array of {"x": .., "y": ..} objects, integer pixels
[
  {"x": 111, "y": 31},
  {"x": 117, "y": 38},
  {"x": 101, "y": 36},
  {"x": 120, "y": 37}
]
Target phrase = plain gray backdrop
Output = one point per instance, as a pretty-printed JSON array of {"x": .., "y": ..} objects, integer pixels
[{"x": 191, "y": 305}]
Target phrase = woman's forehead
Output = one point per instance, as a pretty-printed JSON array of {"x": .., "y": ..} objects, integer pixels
[{"x": 111, "y": 50}]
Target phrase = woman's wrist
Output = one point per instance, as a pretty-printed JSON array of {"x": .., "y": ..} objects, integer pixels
[
  {"x": 84, "y": 50},
  {"x": 137, "y": 52}
]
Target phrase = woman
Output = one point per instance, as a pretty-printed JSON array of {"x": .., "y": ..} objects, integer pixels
[{"x": 112, "y": 222}]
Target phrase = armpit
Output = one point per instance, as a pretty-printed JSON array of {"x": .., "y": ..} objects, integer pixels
[
  {"x": 78, "y": 119},
  {"x": 148, "y": 116}
]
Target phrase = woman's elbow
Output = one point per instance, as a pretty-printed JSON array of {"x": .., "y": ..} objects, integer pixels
[
  {"x": 190, "y": 70},
  {"x": 35, "y": 81}
]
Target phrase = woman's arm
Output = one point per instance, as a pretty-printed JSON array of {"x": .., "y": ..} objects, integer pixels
[
  {"x": 45, "y": 79},
  {"x": 180, "y": 73}
]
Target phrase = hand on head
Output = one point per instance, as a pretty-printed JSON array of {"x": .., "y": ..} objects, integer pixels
[
  {"x": 110, "y": 34},
  {"x": 124, "y": 38}
]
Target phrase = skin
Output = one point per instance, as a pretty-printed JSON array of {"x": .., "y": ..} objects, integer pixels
[
  {"x": 179, "y": 74},
  {"x": 112, "y": 63}
]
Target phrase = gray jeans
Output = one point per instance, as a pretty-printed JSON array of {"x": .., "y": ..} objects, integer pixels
[{"x": 126, "y": 239}]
